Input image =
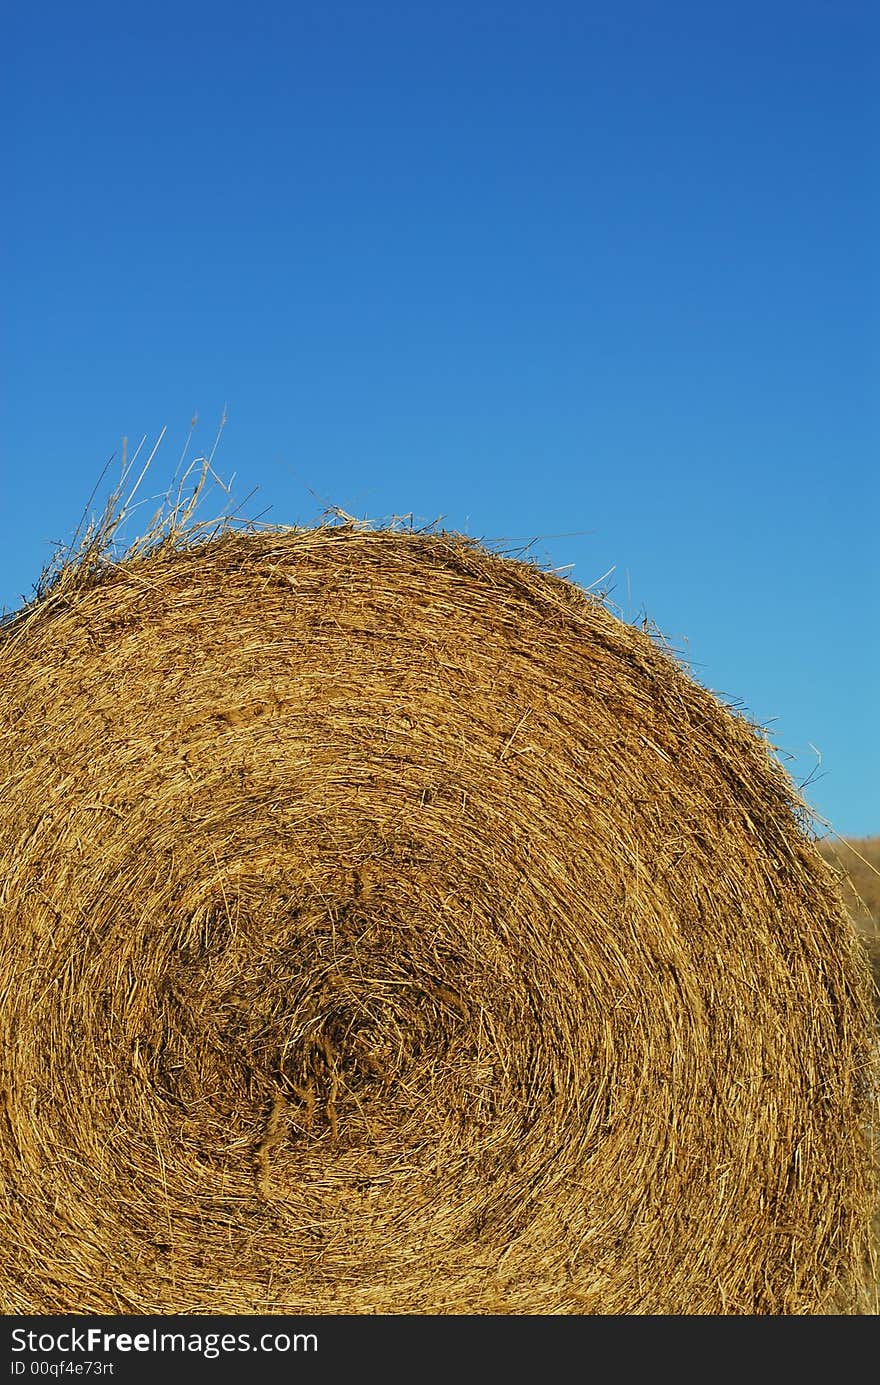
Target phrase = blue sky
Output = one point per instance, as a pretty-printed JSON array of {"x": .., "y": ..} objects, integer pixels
[{"x": 603, "y": 276}]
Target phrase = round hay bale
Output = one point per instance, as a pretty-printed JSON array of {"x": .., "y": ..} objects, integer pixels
[{"x": 388, "y": 928}]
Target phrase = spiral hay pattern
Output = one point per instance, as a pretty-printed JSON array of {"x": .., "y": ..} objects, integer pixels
[{"x": 387, "y": 927}]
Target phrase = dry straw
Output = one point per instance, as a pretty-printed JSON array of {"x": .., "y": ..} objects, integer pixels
[{"x": 387, "y": 927}]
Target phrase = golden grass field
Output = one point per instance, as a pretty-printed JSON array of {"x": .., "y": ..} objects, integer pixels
[{"x": 857, "y": 861}]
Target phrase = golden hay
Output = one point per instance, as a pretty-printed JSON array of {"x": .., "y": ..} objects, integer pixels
[{"x": 388, "y": 928}]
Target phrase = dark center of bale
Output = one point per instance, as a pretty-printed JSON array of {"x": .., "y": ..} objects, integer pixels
[{"x": 336, "y": 1032}]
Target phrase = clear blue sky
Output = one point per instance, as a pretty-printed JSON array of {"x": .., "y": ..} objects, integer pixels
[{"x": 603, "y": 275}]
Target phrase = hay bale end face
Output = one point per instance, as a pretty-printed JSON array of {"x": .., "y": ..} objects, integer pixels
[{"x": 387, "y": 927}]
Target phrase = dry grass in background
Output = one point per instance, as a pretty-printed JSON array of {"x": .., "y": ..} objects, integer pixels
[
  {"x": 387, "y": 927},
  {"x": 856, "y": 863}
]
